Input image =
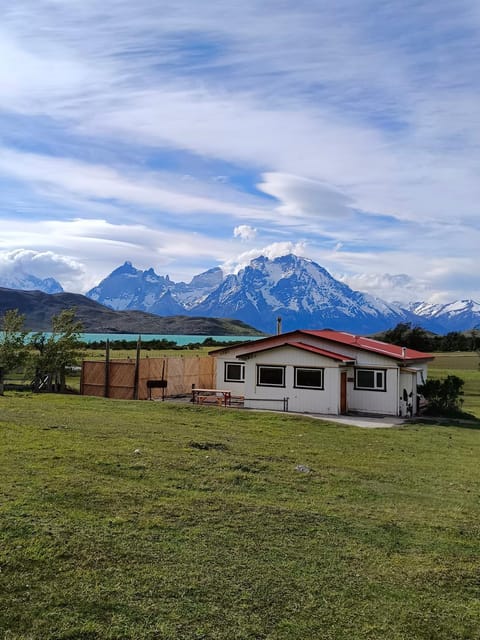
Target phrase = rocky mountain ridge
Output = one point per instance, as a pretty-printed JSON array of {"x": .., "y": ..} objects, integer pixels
[{"x": 297, "y": 289}]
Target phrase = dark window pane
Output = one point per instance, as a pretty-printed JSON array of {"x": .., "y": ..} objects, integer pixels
[
  {"x": 270, "y": 375},
  {"x": 309, "y": 378},
  {"x": 365, "y": 378},
  {"x": 234, "y": 371},
  {"x": 379, "y": 379}
]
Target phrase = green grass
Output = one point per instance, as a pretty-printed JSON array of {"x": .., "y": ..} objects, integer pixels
[
  {"x": 210, "y": 532},
  {"x": 465, "y": 365}
]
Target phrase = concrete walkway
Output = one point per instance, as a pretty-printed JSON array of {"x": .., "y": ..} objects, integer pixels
[{"x": 364, "y": 422}]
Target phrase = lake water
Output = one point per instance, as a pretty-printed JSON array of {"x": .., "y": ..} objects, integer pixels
[{"x": 180, "y": 340}]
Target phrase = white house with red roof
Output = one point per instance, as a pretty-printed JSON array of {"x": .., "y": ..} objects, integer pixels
[{"x": 326, "y": 372}]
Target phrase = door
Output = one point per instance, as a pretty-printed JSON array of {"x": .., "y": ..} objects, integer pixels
[{"x": 343, "y": 392}]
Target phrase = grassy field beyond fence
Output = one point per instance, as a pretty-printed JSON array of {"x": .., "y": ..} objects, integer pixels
[
  {"x": 465, "y": 365},
  {"x": 142, "y": 520}
]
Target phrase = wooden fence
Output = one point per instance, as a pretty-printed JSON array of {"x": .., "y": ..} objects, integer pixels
[{"x": 132, "y": 379}]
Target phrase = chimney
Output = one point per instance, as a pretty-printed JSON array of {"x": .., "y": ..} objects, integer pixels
[
  {"x": 404, "y": 352},
  {"x": 279, "y": 325}
]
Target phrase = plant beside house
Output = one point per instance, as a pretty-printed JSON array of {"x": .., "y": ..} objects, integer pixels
[{"x": 443, "y": 396}]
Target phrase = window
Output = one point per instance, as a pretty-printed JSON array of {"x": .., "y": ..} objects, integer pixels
[
  {"x": 234, "y": 372},
  {"x": 308, "y": 378},
  {"x": 373, "y": 379},
  {"x": 270, "y": 376}
]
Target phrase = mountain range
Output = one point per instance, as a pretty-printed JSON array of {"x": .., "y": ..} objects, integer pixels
[{"x": 294, "y": 288}]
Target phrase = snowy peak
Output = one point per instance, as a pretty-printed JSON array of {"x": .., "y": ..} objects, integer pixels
[
  {"x": 208, "y": 279},
  {"x": 29, "y": 282},
  {"x": 130, "y": 288},
  {"x": 298, "y": 289},
  {"x": 451, "y": 316}
]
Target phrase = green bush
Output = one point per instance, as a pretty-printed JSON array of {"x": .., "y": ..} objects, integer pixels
[{"x": 443, "y": 396}]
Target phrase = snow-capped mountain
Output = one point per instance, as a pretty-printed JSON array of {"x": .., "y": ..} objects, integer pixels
[
  {"x": 131, "y": 288},
  {"x": 297, "y": 289},
  {"x": 452, "y": 316},
  {"x": 198, "y": 288},
  {"x": 302, "y": 293},
  {"x": 29, "y": 282}
]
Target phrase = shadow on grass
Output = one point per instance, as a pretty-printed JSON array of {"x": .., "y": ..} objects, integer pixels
[{"x": 457, "y": 419}]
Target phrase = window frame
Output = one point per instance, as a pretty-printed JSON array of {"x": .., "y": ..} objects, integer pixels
[
  {"x": 302, "y": 386},
  {"x": 236, "y": 364},
  {"x": 375, "y": 372},
  {"x": 270, "y": 366}
]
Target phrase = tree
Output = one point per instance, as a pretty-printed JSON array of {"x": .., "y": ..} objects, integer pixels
[
  {"x": 13, "y": 349},
  {"x": 443, "y": 396},
  {"x": 60, "y": 350}
]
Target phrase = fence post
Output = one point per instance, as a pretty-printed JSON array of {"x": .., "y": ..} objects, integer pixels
[
  {"x": 106, "y": 391},
  {"x": 137, "y": 368}
]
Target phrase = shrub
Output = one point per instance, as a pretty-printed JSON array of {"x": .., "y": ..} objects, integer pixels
[{"x": 443, "y": 396}]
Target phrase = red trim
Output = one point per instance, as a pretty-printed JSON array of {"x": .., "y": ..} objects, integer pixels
[{"x": 336, "y": 337}]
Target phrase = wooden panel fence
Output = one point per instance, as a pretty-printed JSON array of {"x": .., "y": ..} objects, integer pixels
[{"x": 122, "y": 380}]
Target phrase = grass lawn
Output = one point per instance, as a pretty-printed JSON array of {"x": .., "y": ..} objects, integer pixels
[
  {"x": 465, "y": 365},
  {"x": 132, "y": 520}
]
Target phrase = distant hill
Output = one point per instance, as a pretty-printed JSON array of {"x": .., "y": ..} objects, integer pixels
[{"x": 39, "y": 307}]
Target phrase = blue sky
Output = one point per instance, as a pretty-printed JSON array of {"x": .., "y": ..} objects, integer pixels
[{"x": 185, "y": 135}]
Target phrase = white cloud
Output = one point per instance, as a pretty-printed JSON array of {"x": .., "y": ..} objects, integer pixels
[
  {"x": 93, "y": 181},
  {"x": 99, "y": 246},
  {"x": 245, "y": 232},
  {"x": 42, "y": 264},
  {"x": 395, "y": 288},
  {"x": 377, "y": 116},
  {"x": 274, "y": 250}
]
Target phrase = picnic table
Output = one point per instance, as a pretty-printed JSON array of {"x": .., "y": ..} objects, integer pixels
[{"x": 220, "y": 396}]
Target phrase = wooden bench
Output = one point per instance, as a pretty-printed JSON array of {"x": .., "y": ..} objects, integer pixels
[
  {"x": 218, "y": 396},
  {"x": 210, "y": 400}
]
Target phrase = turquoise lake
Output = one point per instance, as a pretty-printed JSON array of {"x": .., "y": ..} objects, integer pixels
[{"x": 180, "y": 340}]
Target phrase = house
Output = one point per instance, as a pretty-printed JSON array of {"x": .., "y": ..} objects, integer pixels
[{"x": 327, "y": 372}]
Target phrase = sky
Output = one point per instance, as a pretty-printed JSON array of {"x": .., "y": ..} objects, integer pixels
[{"x": 184, "y": 135}]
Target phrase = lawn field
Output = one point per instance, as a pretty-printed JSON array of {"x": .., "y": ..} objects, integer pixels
[
  {"x": 465, "y": 365},
  {"x": 147, "y": 520}
]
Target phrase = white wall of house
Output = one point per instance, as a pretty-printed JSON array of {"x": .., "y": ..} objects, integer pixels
[
  {"x": 326, "y": 400},
  {"x": 383, "y": 401}
]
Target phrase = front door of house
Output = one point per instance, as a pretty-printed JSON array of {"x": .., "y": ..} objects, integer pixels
[{"x": 343, "y": 392}]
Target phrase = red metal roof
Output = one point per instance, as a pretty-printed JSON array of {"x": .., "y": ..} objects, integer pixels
[
  {"x": 336, "y": 337},
  {"x": 369, "y": 344},
  {"x": 323, "y": 352}
]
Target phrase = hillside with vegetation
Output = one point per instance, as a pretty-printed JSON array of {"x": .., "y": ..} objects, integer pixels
[
  {"x": 39, "y": 308},
  {"x": 411, "y": 336}
]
